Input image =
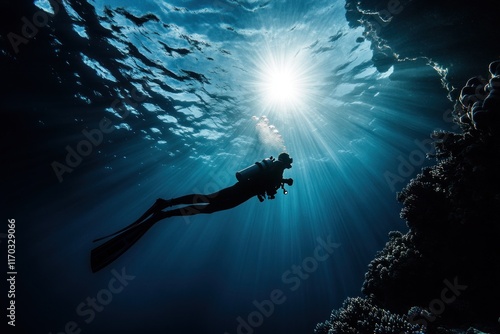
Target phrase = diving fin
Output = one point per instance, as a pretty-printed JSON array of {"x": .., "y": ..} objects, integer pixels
[
  {"x": 109, "y": 251},
  {"x": 159, "y": 205}
]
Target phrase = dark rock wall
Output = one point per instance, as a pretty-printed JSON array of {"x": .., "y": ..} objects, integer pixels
[{"x": 442, "y": 275}]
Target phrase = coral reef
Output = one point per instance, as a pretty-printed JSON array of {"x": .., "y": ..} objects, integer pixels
[
  {"x": 442, "y": 275},
  {"x": 359, "y": 315}
]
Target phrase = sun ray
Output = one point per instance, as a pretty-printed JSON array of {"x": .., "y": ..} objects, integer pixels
[{"x": 285, "y": 79}]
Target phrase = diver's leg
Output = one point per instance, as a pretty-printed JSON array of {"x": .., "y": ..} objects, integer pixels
[
  {"x": 220, "y": 200},
  {"x": 194, "y": 199},
  {"x": 190, "y": 210},
  {"x": 224, "y": 201},
  {"x": 161, "y": 204},
  {"x": 190, "y": 199}
]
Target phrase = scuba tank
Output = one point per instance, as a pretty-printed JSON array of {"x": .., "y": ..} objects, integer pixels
[{"x": 253, "y": 171}]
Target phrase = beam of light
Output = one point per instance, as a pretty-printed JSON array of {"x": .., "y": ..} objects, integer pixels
[
  {"x": 285, "y": 79},
  {"x": 281, "y": 83}
]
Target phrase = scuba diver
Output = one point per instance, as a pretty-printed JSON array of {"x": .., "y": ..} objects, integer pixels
[{"x": 260, "y": 179}]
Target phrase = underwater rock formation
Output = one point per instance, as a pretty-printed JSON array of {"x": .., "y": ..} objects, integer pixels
[
  {"x": 430, "y": 30},
  {"x": 443, "y": 273},
  {"x": 480, "y": 100}
]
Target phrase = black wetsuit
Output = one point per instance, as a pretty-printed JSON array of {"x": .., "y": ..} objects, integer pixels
[
  {"x": 230, "y": 197},
  {"x": 267, "y": 184}
]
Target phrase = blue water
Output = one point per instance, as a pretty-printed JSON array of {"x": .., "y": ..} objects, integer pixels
[{"x": 197, "y": 75}]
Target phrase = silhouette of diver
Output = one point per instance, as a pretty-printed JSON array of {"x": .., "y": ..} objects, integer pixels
[{"x": 261, "y": 179}]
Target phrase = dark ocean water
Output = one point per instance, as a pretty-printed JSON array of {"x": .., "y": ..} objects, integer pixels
[{"x": 112, "y": 104}]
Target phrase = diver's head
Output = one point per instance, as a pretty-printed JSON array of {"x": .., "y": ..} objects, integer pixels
[{"x": 285, "y": 158}]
